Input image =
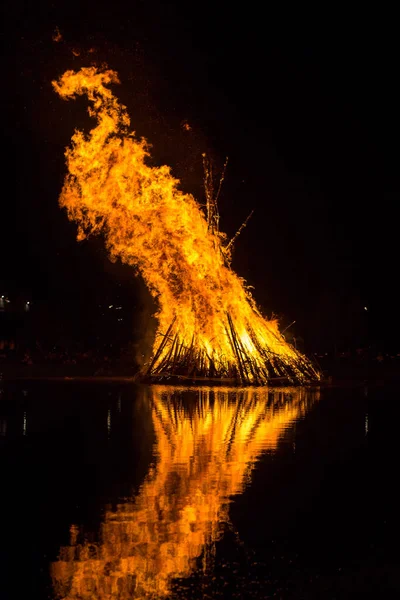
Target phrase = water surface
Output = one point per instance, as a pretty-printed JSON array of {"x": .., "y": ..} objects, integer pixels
[{"x": 116, "y": 491}]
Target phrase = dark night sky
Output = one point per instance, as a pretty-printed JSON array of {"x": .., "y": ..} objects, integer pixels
[{"x": 305, "y": 107}]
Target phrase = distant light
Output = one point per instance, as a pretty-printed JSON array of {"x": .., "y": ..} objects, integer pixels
[
  {"x": 109, "y": 422},
  {"x": 3, "y": 297},
  {"x": 28, "y": 302},
  {"x": 111, "y": 305},
  {"x": 365, "y": 308}
]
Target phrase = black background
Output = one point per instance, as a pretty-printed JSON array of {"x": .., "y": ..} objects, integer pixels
[{"x": 305, "y": 105}]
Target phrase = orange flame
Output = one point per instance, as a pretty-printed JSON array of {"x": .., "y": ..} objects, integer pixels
[
  {"x": 57, "y": 36},
  {"x": 208, "y": 322},
  {"x": 205, "y": 454}
]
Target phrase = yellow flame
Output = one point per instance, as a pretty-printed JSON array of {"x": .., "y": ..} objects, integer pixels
[
  {"x": 205, "y": 453},
  {"x": 213, "y": 324}
]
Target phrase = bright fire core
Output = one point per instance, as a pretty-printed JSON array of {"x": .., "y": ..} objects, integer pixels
[{"x": 208, "y": 323}]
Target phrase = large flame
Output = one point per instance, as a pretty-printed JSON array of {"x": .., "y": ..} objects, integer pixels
[
  {"x": 208, "y": 323},
  {"x": 205, "y": 452}
]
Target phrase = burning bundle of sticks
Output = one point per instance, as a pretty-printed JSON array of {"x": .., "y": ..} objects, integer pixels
[
  {"x": 208, "y": 323},
  {"x": 174, "y": 359}
]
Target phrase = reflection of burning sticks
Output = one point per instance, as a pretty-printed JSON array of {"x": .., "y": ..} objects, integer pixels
[
  {"x": 207, "y": 442},
  {"x": 208, "y": 323}
]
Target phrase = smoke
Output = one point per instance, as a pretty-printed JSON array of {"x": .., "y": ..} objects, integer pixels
[{"x": 145, "y": 323}]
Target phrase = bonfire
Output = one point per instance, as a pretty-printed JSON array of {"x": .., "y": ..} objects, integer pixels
[{"x": 209, "y": 325}]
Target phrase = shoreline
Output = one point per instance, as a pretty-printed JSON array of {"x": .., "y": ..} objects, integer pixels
[{"x": 334, "y": 373}]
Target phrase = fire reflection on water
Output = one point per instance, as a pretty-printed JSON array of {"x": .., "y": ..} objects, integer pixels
[{"x": 207, "y": 442}]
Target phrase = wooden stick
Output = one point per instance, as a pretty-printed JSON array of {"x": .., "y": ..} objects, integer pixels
[{"x": 161, "y": 347}]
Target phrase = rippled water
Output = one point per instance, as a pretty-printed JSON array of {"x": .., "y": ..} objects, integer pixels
[{"x": 116, "y": 491}]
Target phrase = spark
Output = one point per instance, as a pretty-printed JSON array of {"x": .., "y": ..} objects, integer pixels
[{"x": 57, "y": 37}]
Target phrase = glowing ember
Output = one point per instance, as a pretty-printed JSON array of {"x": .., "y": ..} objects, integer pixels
[
  {"x": 208, "y": 323},
  {"x": 205, "y": 453}
]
